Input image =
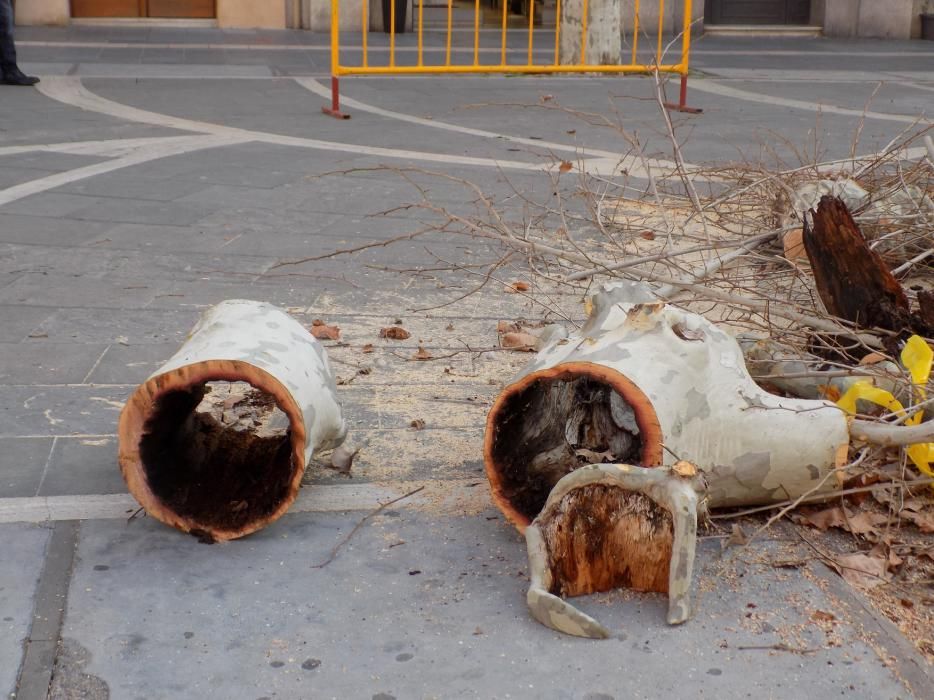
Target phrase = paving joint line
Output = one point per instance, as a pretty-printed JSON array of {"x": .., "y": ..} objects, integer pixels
[{"x": 41, "y": 647}]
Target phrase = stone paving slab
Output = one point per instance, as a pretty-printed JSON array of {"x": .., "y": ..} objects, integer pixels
[
  {"x": 82, "y": 466},
  {"x": 427, "y": 606},
  {"x": 28, "y": 228},
  {"x": 48, "y": 363},
  {"x": 23, "y": 464},
  {"x": 24, "y": 545}
]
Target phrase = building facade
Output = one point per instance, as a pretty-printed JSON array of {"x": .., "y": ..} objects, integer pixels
[{"x": 892, "y": 19}]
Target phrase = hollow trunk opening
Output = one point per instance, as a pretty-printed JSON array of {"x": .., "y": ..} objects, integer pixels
[
  {"x": 218, "y": 454},
  {"x": 555, "y": 425},
  {"x": 603, "y": 537}
]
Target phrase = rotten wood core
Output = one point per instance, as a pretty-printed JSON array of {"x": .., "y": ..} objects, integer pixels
[
  {"x": 601, "y": 537},
  {"x": 853, "y": 281},
  {"x": 551, "y": 427},
  {"x": 218, "y": 454}
]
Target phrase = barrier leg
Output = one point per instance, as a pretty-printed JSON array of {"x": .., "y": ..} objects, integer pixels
[
  {"x": 335, "y": 109},
  {"x": 681, "y": 105}
]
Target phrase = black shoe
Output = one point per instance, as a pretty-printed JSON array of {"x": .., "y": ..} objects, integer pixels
[{"x": 14, "y": 76}]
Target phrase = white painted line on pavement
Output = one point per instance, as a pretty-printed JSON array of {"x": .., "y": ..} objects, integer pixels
[
  {"x": 460, "y": 496},
  {"x": 111, "y": 148},
  {"x": 747, "y": 96},
  {"x": 70, "y": 91},
  {"x": 634, "y": 166},
  {"x": 141, "y": 155}
]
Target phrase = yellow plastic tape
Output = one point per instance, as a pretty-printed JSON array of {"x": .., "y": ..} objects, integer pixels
[{"x": 917, "y": 357}]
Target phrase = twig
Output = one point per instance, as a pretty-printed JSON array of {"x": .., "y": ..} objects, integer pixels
[
  {"x": 779, "y": 647},
  {"x": 798, "y": 501},
  {"x": 375, "y": 511},
  {"x": 351, "y": 251},
  {"x": 744, "y": 246},
  {"x": 825, "y": 496},
  {"x": 905, "y": 266}
]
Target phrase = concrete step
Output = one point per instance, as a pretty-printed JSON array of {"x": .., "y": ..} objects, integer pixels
[{"x": 782, "y": 30}]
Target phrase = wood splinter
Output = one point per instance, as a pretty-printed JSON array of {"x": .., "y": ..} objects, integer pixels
[{"x": 852, "y": 280}]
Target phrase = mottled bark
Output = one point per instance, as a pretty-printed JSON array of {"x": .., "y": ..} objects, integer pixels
[{"x": 216, "y": 441}]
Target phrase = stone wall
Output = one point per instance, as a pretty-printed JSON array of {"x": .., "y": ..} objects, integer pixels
[{"x": 881, "y": 19}]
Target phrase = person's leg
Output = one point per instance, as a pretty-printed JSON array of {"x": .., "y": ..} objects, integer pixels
[
  {"x": 7, "y": 48},
  {"x": 10, "y": 74}
]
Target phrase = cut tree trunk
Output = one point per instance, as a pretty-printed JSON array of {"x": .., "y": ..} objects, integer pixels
[{"x": 216, "y": 441}]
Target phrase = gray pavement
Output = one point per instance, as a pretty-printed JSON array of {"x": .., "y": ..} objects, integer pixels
[{"x": 120, "y": 221}]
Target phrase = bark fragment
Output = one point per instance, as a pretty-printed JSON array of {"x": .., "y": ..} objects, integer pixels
[{"x": 852, "y": 280}]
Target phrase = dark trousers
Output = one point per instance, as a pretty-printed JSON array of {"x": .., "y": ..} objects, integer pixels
[{"x": 7, "y": 49}]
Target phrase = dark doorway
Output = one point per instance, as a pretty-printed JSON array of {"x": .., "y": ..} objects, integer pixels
[
  {"x": 757, "y": 11},
  {"x": 143, "y": 8}
]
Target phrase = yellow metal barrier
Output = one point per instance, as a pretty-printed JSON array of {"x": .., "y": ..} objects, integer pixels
[{"x": 390, "y": 66}]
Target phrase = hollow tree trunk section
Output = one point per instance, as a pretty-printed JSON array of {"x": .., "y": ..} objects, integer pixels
[{"x": 216, "y": 441}]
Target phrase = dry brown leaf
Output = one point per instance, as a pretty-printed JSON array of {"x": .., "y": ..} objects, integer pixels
[
  {"x": 872, "y": 358},
  {"x": 865, "y": 522},
  {"x": 394, "y": 333},
  {"x": 923, "y": 521},
  {"x": 322, "y": 331},
  {"x": 507, "y": 327},
  {"x": 565, "y": 166},
  {"x": 418, "y": 424},
  {"x": 368, "y": 348},
  {"x": 821, "y": 616},
  {"x": 863, "y": 571},
  {"x": 860, "y": 480},
  {"x": 827, "y": 518},
  {"x": 829, "y": 392},
  {"x": 737, "y": 537},
  {"x": 888, "y": 555},
  {"x": 914, "y": 504},
  {"x": 523, "y": 342},
  {"x": 422, "y": 354},
  {"x": 793, "y": 244},
  {"x": 647, "y": 235},
  {"x": 519, "y": 286}
]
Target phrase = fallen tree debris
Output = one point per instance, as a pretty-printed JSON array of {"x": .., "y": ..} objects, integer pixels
[
  {"x": 216, "y": 440},
  {"x": 852, "y": 280},
  {"x": 590, "y": 528}
]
